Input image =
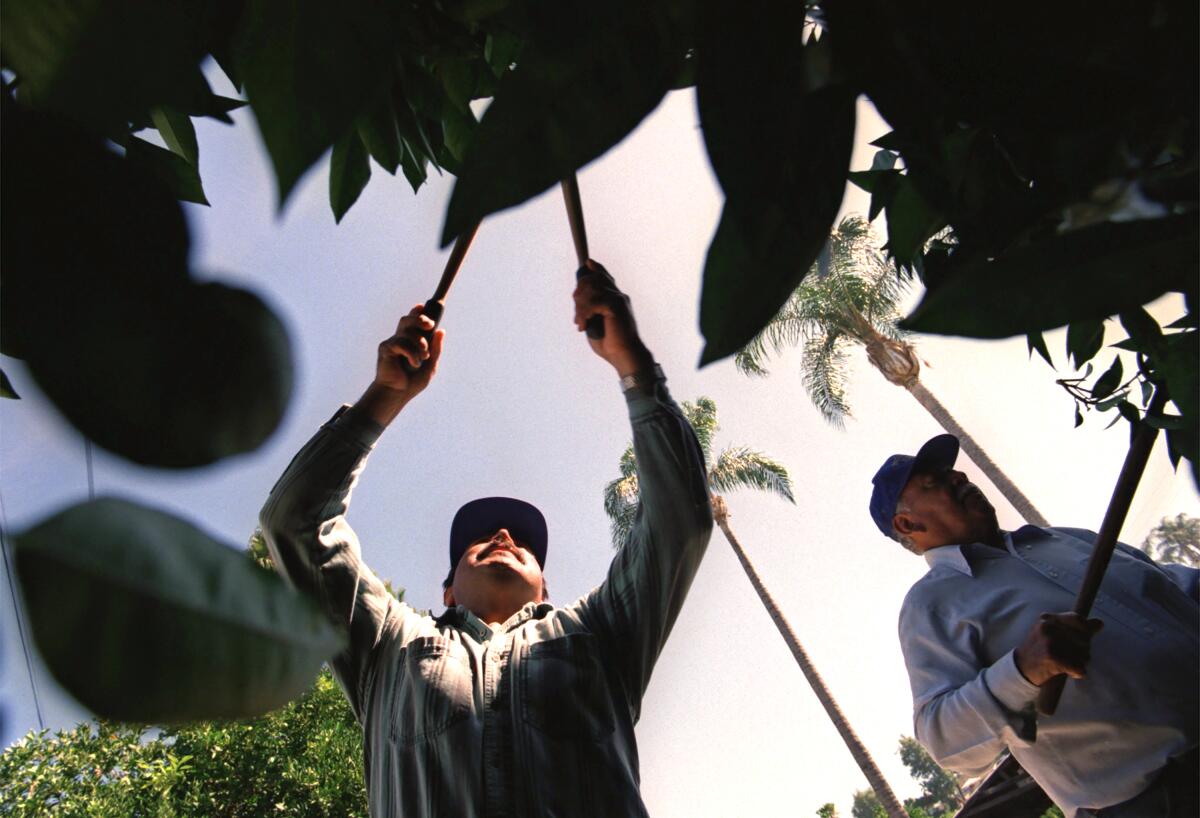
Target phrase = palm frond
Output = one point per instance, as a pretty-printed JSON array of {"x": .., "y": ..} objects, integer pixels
[
  {"x": 628, "y": 462},
  {"x": 740, "y": 467},
  {"x": 621, "y": 499},
  {"x": 824, "y": 364},
  {"x": 702, "y": 415}
]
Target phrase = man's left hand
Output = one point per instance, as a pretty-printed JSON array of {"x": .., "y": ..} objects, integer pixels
[{"x": 596, "y": 293}]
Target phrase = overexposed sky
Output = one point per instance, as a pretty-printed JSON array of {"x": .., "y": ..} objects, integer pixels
[{"x": 521, "y": 406}]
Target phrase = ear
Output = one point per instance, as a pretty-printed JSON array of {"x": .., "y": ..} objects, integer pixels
[
  {"x": 448, "y": 597},
  {"x": 907, "y": 525}
]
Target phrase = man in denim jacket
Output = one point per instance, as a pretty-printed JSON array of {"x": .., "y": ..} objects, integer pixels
[{"x": 504, "y": 705}]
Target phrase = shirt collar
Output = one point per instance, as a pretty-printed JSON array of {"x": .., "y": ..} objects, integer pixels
[
  {"x": 482, "y": 631},
  {"x": 953, "y": 556}
]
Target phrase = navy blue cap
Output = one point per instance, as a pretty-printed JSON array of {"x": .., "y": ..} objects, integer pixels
[
  {"x": 487, "y": 515},
  {"x": 892, "y": 477}
]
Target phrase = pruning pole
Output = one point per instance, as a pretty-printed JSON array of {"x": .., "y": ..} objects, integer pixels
[
  {"x": 436, "y": 305},
  {"x": 1106, "y": 540},
  {"x": 570, "y": 189}
]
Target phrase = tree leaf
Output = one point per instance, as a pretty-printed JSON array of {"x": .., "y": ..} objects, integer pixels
[
  {"x": 97, "y": 299},
  {"x": 1179, "y": 364},
  {"x": 380, "y": 136},
  {"x": 1077, "y": 275},
  {"x": 178, "y": 132},
  {"x": 1143, "y": 330},
  {"x": 143, "y": 617},
  {"x": 1084, "y": 339},
  {"x": 349, "y": 172},
  {"x": 310, "y": 70},
  {"x": 1036, "y": 341},
  {"x": 6, "y": 388},
  {"x": 413, "y": 165},
  {"x": 911, "y": 221},
  {"x": 170, "y": 168},
  {"x": 1078, "y": 416},
  {"x": 1109, "y": 381},
  {"x": 588, "y": 75},
  {"x": 1185, "y": 443},
  {"x": 782, "y": 166},
  {"x": 102, "y": 62}
]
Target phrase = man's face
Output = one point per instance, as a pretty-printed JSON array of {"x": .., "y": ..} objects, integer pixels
[
  {"x": 496, "y": 574},
  {"x": 942, "y": 507}
]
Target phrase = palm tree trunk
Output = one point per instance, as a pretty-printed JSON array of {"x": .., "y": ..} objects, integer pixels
[
  {"x": 861, "y": 756},
  {"x": 999, "y": 479}
]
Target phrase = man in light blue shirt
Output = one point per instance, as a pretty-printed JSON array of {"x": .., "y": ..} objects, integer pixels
[{"x": 981, "y": 633}]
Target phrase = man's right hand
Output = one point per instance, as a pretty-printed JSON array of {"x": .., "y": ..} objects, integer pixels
[
  {"x": 1057, "y": 643},
  {"x": 404, "y": 366}
]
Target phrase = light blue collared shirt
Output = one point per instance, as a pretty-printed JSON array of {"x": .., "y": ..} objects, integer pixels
[{"x": 1114, "y": 730}]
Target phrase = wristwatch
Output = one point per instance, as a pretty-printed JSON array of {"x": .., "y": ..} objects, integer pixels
[{"x": 642, "y": 380}]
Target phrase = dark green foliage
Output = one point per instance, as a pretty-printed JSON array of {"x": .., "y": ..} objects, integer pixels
[
  {"x": 1175, "y": 539},
  {"x": 349, "y": 172},
  {"x": 170, "y": 168},
  {"x": 98, "y": 299},
  {"x": 941, "y": 794},
  {"x": 588, "y": 74},
  {"x": 783, "y": 179},
  {"x": 310, "y": 70},
  {"x": 143, "y": 617},
  {"x": 301, "y": 761},
  {"x": 6, "y": 388}
]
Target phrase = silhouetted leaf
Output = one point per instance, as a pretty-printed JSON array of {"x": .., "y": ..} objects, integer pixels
[
  {"x": 1143, "y": 330},
  {"x": 782, "y": 166},
  {"x": 1109, "y": 381},
  {"x": 349, "y": 171},
  {"x": 170, "y": 168},
  {"x": 143, "y": 617},
  {"x": 177, "y": 131},
  {"x": 6, "y": 387},
  {"x": 102, "y": 62},
  {"x": 593, "y": 72},
  {"x": 97, "y": 299},
  {"x": 1179, "y": 364},
  {"x": 1036, "y": 341},
  {"x": 1084, "y": 339},
  {"x": 310, "y": 70},
  {"x": 1078, "y": 416},
  {"x": 377, "y": 128},
  {"x": 1081, "y": 274}
]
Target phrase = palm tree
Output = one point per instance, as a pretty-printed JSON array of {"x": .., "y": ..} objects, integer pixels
[
  {"x": 851, "y": 296},
  {"x": 740, "y": 467}
]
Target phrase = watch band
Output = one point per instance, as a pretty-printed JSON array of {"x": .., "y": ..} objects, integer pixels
[{"x": 643, "y": 379}]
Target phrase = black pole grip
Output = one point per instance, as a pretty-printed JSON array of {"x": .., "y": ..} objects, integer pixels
[
  {"x": 595, "y": 324},
  {"x": 433, "y": 309}
]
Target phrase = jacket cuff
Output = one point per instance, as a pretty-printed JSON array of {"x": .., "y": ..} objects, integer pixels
[
  {"x": 1007, "y": 684},
  {"x": 647, "y": 398},
  {"x": 355, "y": 426}
]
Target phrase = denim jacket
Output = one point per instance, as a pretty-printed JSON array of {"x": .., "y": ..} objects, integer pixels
[{"x": 534, "y": 717}]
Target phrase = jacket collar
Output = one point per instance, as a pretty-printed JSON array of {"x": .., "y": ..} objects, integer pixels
[{"x": 462, "y": 618}]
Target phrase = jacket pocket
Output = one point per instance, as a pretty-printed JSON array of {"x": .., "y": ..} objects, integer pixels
[
  {"x": 433, "y": 689},
  {"x": 563, "y": 689}
]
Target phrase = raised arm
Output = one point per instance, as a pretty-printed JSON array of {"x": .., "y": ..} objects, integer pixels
[
  {"x": 635, "y": 607},
  {"x": 304, "y": 519}
]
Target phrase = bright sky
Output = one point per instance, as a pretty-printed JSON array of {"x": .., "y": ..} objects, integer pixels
[{"x": 522, "y": 407}]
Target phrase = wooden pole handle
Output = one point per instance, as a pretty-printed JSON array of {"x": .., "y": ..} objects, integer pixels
[
  {"x": 570, "y": 189},
  {"x": 1106, "y": 539}
]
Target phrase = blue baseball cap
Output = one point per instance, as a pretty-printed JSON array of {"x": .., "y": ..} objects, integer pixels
[
  {"x": 892, "y": 477},
  {"x": 487, "y": 515}
]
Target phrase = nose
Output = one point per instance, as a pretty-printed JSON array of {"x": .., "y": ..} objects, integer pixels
[
  {"x": 957, "y": 478},
  {"x": 502, "y": 534}
]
